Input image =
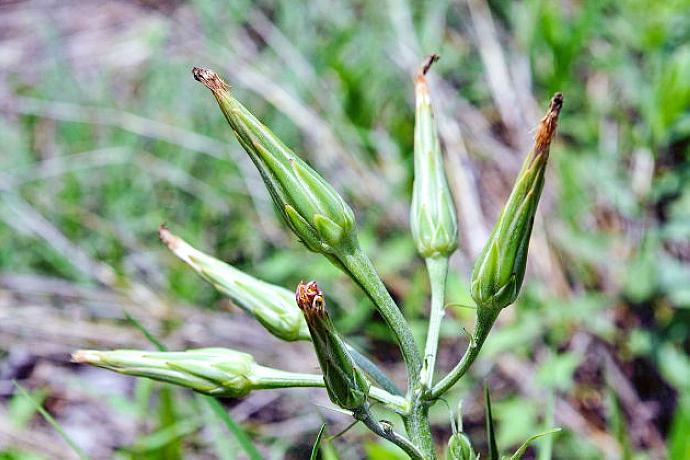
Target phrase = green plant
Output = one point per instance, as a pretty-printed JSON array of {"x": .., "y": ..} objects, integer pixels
[{"x": 321, "y": 219}]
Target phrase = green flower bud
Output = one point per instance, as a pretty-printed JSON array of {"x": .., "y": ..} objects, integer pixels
[
  {"x": 273, "y": 306},
  {"x": 498, "y": 272},
  {"x": 432, "y": 217},
  {"x": 460, "y": 448},
  {"x": 346, "y": 385},
  {"x": 310, "y": 206},
  {"x": 213, "y": 371}
]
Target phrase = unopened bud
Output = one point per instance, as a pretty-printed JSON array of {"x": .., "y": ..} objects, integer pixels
[
  {"x": 311, "y": 207},
  {"x": 460, "y": 448},
  {"x": 346, "y": 385},
  {"x": 273, "y": 306},
  {"x": 498, "y": 272},
  {"x": 213, "y": 371},
  {"x": 432, "y": 217}
]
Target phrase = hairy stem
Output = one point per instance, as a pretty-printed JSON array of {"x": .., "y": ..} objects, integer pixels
[
  {"x": 360, "y": 268},
  {"x": 437, "y": 268},
  {"x": 417, "y": 425},
  {"x": 385, "y": 430}
]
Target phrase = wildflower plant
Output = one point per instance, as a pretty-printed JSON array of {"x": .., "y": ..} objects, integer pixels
[{"x": 325, "y": 224}]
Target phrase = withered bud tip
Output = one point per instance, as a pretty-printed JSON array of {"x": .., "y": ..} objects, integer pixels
[
  {"x": 429, "y": 62},
  {"x": 166, "y": 237},
  {"x": 210, "y": 79},
  {"x": 309, "y": 297},
  {"x": 556, "y": 103},
  {"x": 426, "y": 65},
  {"x": 547, "y": 126}
]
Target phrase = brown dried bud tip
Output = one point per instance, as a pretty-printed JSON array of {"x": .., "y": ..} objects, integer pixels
[
  {"x": 547, "y": 126},
  {"x": 428, "y": 62},
  {"x": 210, "y": 79},
  {"x": 166, "y": 237},
  {"x": 310, "y": 298}
]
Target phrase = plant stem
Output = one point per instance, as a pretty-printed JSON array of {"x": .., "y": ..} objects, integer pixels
[
  {"x": 269, "y": 378},
  {"x": 437, "y": 267},
  {"x": 356, "y": 263},
  {"x": 360, "y": 268},
  {"x": 417, "y": 425},
  {"x": 385, "y": 430},
  {"x": 485, "y": 320}
]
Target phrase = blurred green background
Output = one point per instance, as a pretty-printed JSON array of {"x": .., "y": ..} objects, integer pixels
[{"x": 105, "y": 135}]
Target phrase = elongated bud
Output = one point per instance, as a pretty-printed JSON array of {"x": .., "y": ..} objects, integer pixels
[
  {"x": 460, "y": 448},
  {"x": 214, "y": 371},
  {"x": 346, "y": 385},
  {"x": 273, "y": 306},
  {"x": 311, "y": 207},
  {"x": 432, "y": 217},
  {"x": 498, "y": 272}
]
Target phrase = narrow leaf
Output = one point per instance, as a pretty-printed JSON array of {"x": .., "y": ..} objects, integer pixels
[
  {"x": 54, "y": 423},
  {"x": 523, "y": 448},
  {"x": 242, "y": 437},
  {"x": 150, "y": 337},
  {"x": 545, "y": 448},
  {"x": 490, "y": 435},
  {"x": 315, "y": 449}
]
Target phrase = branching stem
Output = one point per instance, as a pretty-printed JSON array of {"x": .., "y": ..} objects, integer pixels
[
  {"x": 385, "y": 430},
  {"x": 484, "y": 323}
]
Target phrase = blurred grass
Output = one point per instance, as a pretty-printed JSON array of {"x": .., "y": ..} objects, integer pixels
[{"x": 606, "y": 307}]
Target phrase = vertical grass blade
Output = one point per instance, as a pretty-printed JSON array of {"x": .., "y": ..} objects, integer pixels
[
  {"x": 317, "y": 442},
  {"x": 53, "y": 423},
  {"x": 490, "y": 434},
  {"x": 242, "y": 437}
]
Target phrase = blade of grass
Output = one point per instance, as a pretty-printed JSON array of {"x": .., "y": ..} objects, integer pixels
[
  {"x": 523, "y": 448},
  {"x": 159, "y": 440},
  {"x": 223, "y": 445},
  {"x": 242, "y": 437},
  {"x": 150, "y": 337},
  {"x": 315, "y": 449},
  {"x": 490, "y": 434},
  {"x": 545, "y": 446},
  {"x": 679, "y": 439},
  {"x": 53, "y": 423},
  {"x": 167, "y": 419}
]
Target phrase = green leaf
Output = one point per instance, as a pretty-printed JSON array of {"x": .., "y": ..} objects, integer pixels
[
  {"x": 317, "y": 441},
  {"x": 54, "y": 423},
  {"x": 545, "y": 448},
  {"x": 490, "y": 434},
  {"x": 523, "y": 448},
  {"x": 242, "y": 438},
  {"x": 679, "y": 438},
  {"x": 170, "y": 446}
]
